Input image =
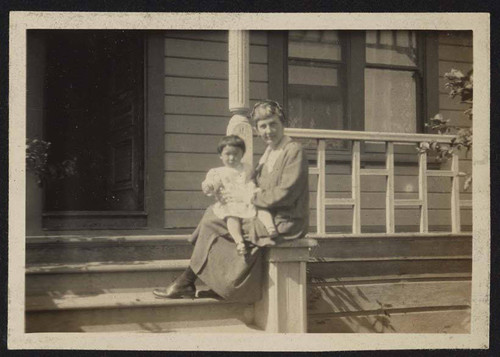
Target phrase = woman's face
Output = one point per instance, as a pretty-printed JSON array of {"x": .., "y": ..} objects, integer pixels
[{"x": 271, "y": 130}]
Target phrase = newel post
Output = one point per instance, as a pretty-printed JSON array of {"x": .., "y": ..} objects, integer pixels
[
  {"x": 283, "y": 307},
  {"x": 239, "y": 89}
]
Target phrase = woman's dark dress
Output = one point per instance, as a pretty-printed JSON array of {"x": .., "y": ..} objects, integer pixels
[{"x": 285, "y": 193}]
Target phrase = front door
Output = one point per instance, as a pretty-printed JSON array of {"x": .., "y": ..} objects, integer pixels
[{"x": 94, "y": 119}]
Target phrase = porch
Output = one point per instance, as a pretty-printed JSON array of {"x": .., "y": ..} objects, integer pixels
[
  {"x": 392, "y": 227},
  {"x": 332, "y": 282}
]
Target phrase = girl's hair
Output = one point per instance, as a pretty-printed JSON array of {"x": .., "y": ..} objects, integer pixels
[
  {"x": 266, "y": 109},
  {"x": 231, "y": 140}
]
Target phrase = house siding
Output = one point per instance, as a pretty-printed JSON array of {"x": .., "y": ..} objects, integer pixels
[
  {"x": 196, "y": 116},
  {"x": 367, "y": 283},
  {"x": 455, "y": 51},
  {"x": 399, "y": 284}
]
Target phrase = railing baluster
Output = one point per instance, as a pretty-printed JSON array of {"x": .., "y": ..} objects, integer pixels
[
  {"x": 389, "y": 193},
  {"x": 390, "y": 139},
  {"x": 321, "y": 191},
  {"x": 356, "y": 188},
  {"x": 422, "y": 192},
  {"x": 455, "y": 194}
]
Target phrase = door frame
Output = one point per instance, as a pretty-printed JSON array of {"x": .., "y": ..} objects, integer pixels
[{"x": 152, "y": 217}]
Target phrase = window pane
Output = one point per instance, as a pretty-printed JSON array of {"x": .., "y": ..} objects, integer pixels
[
  {"x": 391, "y": 47},
  {"x": 390, "y": 101},
  {"x": 314, "y": 80},
  {"x": 314, "y": 98},
  {"x": 312, "y": 75},
  {"x": 324, "y": 45},
  {"x": 314, "y": 107}
]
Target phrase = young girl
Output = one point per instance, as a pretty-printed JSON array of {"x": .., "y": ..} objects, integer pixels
[{"x": 234, "y": 175}]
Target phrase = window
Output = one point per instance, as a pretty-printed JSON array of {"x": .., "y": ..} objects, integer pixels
[
  {"x": 391, "y": 81},
  {"x": 355, "y": 80},
  {"x": 315, "y": 80}
]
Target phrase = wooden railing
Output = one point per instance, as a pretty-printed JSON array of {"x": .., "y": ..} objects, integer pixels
[{"x": 356, "y": 137}]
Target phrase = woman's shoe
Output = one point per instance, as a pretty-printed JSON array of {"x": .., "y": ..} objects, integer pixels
[{"x": 176, "y": 291}]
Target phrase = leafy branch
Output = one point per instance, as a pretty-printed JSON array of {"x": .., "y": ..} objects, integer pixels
[
  {"x": 461, "y": 86},
  {"x": 37, "y": 153}
]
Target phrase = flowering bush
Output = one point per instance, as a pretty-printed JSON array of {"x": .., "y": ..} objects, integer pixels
[
  {"x": 459, "y": 85},
  {"x": 37, "y": 152}
]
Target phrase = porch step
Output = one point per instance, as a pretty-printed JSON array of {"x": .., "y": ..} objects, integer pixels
[
  {"x": 101, "y": 277},
  {"x": 221, "y": 326},
  {"x": 134, "y": 311},
  {"x": 110, "y": 248}
]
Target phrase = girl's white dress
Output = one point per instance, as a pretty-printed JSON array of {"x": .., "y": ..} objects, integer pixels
[{"x": 237, "y": 179}]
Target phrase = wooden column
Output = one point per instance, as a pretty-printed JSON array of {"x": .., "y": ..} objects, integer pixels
[
  {"x": 321, "y": 191},
  {"x": 283, "y": 308},
  {"x": 356, "y": 187},
  {"x": 455, "y": 194},
  {"x": 239, "y": 89},
  {"x": 389, "y": 191},
  {"x": 422, "y": 192}
]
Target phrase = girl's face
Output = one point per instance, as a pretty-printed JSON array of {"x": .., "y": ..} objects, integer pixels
[
  {"x": 231, "y": 156},
  {"x": 271, "y": 130}
]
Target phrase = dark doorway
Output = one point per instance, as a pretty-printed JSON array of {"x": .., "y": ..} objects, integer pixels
[{"x": 95, "y": 116}]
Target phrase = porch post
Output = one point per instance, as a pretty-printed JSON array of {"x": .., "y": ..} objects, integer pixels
[
  {"x": 239, "y": 88},
  {"x": 283, "y": 307}
]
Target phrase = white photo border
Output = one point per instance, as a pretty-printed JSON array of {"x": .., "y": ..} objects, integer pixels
[{"x": 20, "y": 22}]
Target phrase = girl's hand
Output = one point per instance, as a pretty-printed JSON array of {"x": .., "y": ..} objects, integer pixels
[
  {"x": 243, "y": 196},
  {"x": 220, "y": 195},
  {"x": 208, "y": 189}
]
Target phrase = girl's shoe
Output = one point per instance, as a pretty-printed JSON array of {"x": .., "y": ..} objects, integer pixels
[{"x": 241, "y": 248}]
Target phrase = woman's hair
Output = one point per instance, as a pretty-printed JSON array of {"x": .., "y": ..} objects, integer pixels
[
  {"x": 266, "y": 109},
  {"x": 231, "y": 140}
]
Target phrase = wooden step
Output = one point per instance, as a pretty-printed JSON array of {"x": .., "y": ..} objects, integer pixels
[
  {"x": 380, "y": 246},
  {"x": 109, "y": 248},
  {"x": 410, "y": 321},
  {"x": 137, "y": 311},
  {"x": 371, "y": 269},
  {"x": 102, "y": 277},
  {"x": 231, "y": 325},
  {"x": 225, "y": 326},
  {"x": 373, "y": 296}
]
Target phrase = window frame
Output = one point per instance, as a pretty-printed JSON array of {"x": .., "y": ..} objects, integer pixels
[{"x": 354, "y": 60}]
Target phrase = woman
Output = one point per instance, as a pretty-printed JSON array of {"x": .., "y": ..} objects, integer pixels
[{"x": 282, "y": 176}]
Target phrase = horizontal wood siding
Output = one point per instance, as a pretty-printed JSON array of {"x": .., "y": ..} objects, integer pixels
[
  {"x": 455, "y": 51},
  {"x": 197, "y": 114},
  {"x": 399, "y": 285},
  {"x": 186, "y": 170}
]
